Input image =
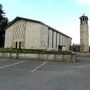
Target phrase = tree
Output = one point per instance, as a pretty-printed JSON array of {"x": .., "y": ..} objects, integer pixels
[{"x": 3, "y": 24}]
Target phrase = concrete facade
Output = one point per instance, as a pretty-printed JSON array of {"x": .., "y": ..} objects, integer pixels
[
  {"x": 84, "y": 34},
  {"x": 46, "y": 57},
  {"x": 30, "y": 34}
]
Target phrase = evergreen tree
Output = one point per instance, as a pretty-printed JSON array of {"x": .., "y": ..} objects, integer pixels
[{"x": 3, "y": 24}]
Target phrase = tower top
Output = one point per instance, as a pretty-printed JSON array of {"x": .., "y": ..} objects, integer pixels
[{"x": 83, "y": 19}]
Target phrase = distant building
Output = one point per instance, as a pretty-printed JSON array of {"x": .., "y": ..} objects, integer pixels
[
  {"x": 31, "y": 34},
  {"x": 75, "y": 48}
]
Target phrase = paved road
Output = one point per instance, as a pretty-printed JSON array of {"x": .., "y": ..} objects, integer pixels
[{"x": 44, "y": 75}]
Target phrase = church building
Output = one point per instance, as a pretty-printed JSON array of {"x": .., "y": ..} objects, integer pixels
[{"x": 26, "y": 33}]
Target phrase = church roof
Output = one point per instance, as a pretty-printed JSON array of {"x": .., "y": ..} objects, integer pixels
[{"x": 36, "y": 21}]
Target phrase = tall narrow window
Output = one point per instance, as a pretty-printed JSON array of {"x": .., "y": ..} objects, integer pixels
[
  {"x": 56, "y": 39},
  {"x": 19, "y": 45},
  {"x": 48, "y": 37},
  {"x": 59, "y": 39},
  {"x": 52, "y": 38},
  {"x": 66, "y": 41},
  {"x": 62, "y": 41},
  {"x": 16, "y": 44}
]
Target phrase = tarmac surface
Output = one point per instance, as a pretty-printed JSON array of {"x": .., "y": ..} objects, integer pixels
[{"x": 44, "y": 75}]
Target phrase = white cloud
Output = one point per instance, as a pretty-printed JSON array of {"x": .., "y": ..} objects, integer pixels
[{"x": 83, "y": 2}]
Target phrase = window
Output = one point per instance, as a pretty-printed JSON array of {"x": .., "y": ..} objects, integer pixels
[
  {"x": 56, "y": 39},
  {"x": 52, "y": 38},
  {"x": 19, "y": 45},
  {"x": 16, "y": 44},
  {"x": 59, "y": 39},
  {"x": 48, "y": 37}
]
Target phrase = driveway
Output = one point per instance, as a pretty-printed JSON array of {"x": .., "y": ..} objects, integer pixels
[{"x": 44, "y": 75}]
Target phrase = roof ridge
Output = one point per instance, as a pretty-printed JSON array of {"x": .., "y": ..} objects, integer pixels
[{"x": 26, "y": 19}]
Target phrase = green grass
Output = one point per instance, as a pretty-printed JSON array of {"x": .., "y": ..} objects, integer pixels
[
  {"x": 39, "y": 51},
  {"x": 19, "y": 50},
  {"x": 4, "y": 49}
]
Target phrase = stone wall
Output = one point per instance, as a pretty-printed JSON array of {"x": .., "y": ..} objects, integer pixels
[
  {"x": 48, "y": 57},
  {"x": 84, "y": 38},
  {"x": 83, "y": 54},
  {"x": 32, "y": 39}
]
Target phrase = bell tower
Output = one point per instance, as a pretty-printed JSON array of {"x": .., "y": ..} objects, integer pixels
[{"x": 84, "y": 34}]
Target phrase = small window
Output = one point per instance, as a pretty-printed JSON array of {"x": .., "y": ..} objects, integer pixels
[
  {"x": 19, "y": 45},
  {"x": 16, "y": 44},
  {"x": 59, "y": 47}
]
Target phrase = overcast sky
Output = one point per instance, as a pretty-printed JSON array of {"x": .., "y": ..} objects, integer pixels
[{"x": 62, "y": 15}]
